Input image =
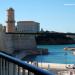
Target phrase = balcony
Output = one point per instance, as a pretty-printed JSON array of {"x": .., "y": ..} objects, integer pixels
[{"x": 12, "y": 66}]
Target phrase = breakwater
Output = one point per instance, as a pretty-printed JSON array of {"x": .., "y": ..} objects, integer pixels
[{"x": 21, "y": 54}]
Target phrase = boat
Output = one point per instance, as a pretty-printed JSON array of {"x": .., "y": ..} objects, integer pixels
[
  {"x": 69, "y": 48},
  {"x": 73, "y": 52}
]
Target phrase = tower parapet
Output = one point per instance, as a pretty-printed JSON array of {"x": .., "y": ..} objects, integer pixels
[{"x": 10, "y": 20}]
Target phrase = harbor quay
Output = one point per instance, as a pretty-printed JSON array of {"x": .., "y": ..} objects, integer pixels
[
  {"x": 56, "y": 68},
  {"x": 21, "y": 54}
]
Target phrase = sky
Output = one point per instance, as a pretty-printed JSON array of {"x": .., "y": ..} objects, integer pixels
[{"x": 53, "y": 15}]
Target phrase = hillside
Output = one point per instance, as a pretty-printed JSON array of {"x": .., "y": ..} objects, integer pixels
[{"x": 47, "y": 38}]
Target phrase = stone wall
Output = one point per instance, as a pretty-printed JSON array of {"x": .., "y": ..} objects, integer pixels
[
  {"x": 11, "y": 42},
  {"x": 23, "y": 41},
  {"x": 5, "y": 43}
]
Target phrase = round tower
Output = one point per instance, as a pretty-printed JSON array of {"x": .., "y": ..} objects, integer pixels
[{"x": 10, "y": 20}]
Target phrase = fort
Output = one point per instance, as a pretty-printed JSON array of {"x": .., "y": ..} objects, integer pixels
[{"x": 13, "y": 37}]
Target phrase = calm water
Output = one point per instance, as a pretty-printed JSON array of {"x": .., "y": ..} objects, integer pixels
[{"x": 57, "y": 54}]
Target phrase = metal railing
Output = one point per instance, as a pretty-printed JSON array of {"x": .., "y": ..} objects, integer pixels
[{"x": 12, "y": 66}]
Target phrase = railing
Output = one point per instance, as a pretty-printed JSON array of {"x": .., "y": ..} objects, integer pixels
[
  {"x": 67, "y": 72},
  {"x": 13, "y": 66}
]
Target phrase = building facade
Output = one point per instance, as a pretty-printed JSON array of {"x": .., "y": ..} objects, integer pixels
[{"x": 28, "y": 26}]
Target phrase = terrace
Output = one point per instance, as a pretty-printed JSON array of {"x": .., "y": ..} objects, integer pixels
[{"x": 12, "y": 66}]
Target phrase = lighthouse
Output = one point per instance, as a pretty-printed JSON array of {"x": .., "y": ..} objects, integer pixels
[{"x": 10, "y": 21}]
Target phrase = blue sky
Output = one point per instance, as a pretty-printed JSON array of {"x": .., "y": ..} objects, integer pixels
[{"x": 53, "y": 15}]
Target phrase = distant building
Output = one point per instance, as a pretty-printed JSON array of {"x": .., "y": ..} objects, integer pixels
[
  {"x": 1, "y": 28},
  {"x": 42, "y": 30},
  {"x": 10, "y": 20},
  {"x": 28, "y": 26},
  {"x": 4, "y": 28}
]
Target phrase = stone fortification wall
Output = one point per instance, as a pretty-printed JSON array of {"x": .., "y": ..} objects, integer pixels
[
  {"x": 6, "y": 43},
  {"x": 23, "y": 41},
  {"x": 11, "y": 42}
]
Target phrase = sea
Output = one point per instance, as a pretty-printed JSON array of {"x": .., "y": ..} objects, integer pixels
[{"x": 57, "y": 54}]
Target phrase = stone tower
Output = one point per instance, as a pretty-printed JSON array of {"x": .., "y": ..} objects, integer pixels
[{"x": 10, "y": 20}]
